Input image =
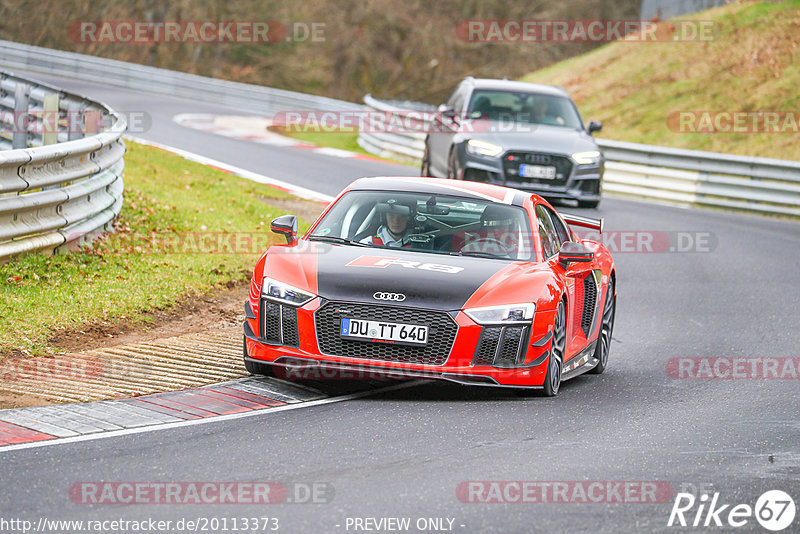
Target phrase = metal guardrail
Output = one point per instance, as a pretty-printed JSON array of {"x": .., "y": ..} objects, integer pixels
[
  {"x": 402, "y": 146},
  {"x": 251, "y": 98},
  {"x": 667, "y": 9},
  {"x": 688, "y": 177},
  {"x": 52, "y": 196},
  {"x": 760, "y": 185},
  {"x": 709, "y": 179},
  {"x": 60, "y": 182}
]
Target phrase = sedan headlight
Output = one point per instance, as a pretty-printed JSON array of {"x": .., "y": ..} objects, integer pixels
[
  {"x": 284, "y": 293},
  {"x": 591, "y": 157},
  {"x": 483, "y": 148},
  {"x": 512, "y": 314}
]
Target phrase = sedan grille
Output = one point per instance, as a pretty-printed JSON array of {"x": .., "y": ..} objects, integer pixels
[
  {"x": 512, "y": 161},
  {"x": 442, "y": 331}
]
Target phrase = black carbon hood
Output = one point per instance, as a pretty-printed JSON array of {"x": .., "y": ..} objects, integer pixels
[{"x": 427, "y": 280}]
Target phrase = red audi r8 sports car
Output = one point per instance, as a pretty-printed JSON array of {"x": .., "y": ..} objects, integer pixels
[{"x": 420, "y": 277}]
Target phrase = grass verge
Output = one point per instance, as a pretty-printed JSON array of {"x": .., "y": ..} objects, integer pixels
[
  {"x": 184, "y": 229},
  {"x": 341, "y": 140},
  {"x": 751, "y": 64}
]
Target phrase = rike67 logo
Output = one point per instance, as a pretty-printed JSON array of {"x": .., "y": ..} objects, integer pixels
[{"x": 774, "y": 510}]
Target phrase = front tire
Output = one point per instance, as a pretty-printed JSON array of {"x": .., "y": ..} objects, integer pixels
[
  {"x": 606, "y": 330},
  {"x": 452, "y": 166},
  {"x": 552, "y": 381},
  {"x": 425, "y": 168}
]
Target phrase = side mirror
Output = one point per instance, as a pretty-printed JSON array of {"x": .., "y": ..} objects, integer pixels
[
  {"x": 595, "y": 126},
  {"x": 285, "y": 225},
  {"x": 447, "y": 112},
  {"x": 574, "y": 252}
]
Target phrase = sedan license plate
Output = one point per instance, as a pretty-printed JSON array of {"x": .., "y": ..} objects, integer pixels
[
  {"x": 383, "y": 332},
  {"x": 537, "y": 171}
]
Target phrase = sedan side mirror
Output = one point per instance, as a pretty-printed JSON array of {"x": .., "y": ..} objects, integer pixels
[
  {"x": 574, "y": 252},
  {"x": 595, "y": 126},
  {"x": 447, "y": 112},
  {"x": 286, "y": 225}
]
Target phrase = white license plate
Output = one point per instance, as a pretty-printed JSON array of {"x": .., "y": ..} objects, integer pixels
[
  {"x": 537, "y": 171},
  {"x": 383, "y": 332}
]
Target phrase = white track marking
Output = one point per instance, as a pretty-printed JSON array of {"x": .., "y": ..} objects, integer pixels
[
  {"x": 334, "y": 152},
  {"x": 256, "y": 130},
  {"x": 301, "y": 192}
]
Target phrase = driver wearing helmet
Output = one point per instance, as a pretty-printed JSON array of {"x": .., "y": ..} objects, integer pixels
[{"x": 395, "y": 227}]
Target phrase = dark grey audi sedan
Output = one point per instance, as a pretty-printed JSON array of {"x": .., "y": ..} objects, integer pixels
[{"x": 522, "y": 135}]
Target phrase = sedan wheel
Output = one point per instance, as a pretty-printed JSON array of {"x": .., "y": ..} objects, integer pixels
[
  {"x": 425, "y": 169},
  {"x": 452, "y": 166}
]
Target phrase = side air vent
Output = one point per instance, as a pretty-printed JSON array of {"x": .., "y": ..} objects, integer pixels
[{"x": 589, "y": 303}]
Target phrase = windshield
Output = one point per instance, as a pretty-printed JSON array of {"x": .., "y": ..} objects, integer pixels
[
  {"x": 521, "y": 107},
  {"x": 428, "y": 223}
]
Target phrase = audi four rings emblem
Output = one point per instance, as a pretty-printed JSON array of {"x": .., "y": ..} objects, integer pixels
[{"x": 396, "y": 297}]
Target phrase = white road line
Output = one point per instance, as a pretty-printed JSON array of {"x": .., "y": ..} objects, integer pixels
[
  {"x": 334, "y": 152},
  {"x": 301, "y": 192},
  {"x": 207, "y": 420}
]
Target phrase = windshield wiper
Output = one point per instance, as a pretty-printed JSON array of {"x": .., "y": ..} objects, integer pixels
[
  {"x": 478, "y": 254},
  {"x": 335, "y": 239}
]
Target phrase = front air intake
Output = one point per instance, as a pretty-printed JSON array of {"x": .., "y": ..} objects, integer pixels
[
  {"x": 501, "y": 346},
  {"x": 279, "y": 324}
]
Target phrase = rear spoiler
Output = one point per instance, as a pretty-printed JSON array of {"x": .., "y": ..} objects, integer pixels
[{"x": 585, "y": 222}]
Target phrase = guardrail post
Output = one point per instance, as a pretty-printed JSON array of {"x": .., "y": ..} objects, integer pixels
[
  {"x": 74, "y": 121},
  {"x": 50, "y": 119},
  {"x": 21, "y": 97},
  {"x": 50, "y": 125}
]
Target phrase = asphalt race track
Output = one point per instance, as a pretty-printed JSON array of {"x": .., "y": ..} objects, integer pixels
[{"x": 404, "y": 453}]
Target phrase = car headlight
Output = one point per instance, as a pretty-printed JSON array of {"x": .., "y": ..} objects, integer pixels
[
  {"x": 512, "y": 314},
  {"x": 591, "y": 157},
  {"x": 483, "y": 148},
  {"x": 284, "y": 293}
]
